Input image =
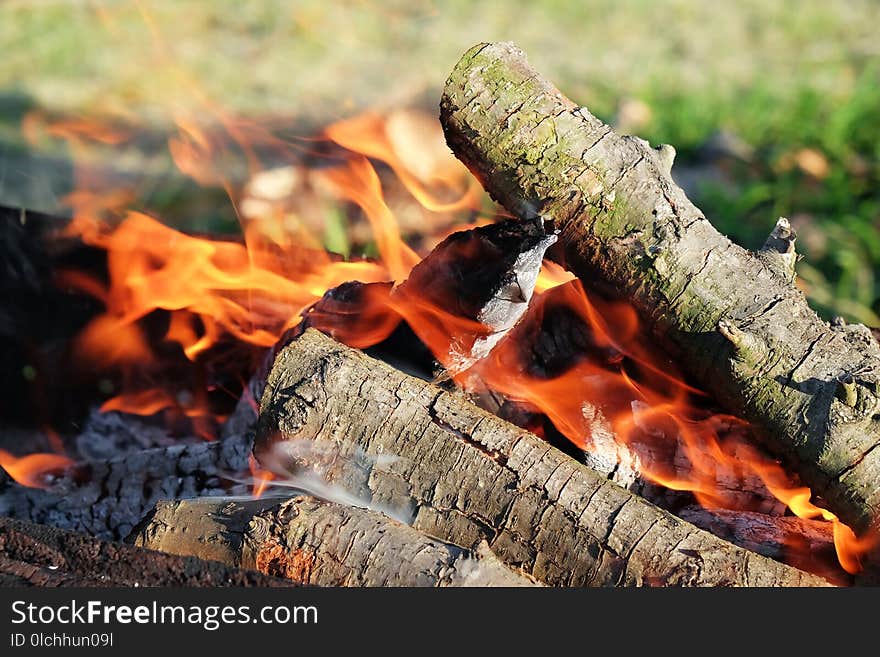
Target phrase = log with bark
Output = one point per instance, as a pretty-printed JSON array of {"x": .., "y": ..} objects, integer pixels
[
  {"x": 466, "y": 476},
  {"x": 316, "y": 542},
  {"x": 552, "y": 338},
  {"x": 41, "y": 555},
  {"x": 801, "y": 542},
  {"x": 734, "y": 317}
]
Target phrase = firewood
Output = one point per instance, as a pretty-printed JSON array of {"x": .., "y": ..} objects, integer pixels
[
  {"x": 481, "y": 281},
  {"x": 556, "y": 339},
  {"x": 461, "y": 299},
  {"x": 466, "y": 476},
  {"x": 41, "y": 555},
  {"x": 785, "y": 538},
  {"x": 551, "y": 339},
  {"x": 210, "y": 528},
  {"x": 735, "y": 318},
  {"x": 757, "y": 524},
  {"x": 318, "y": 543},
  {"x": 106, "y": 498}
]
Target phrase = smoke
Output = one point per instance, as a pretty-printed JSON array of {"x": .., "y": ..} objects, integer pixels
[{"x": 331, "y": 472}]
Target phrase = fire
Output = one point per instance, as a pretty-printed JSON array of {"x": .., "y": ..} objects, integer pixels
[
  {"x": 253, "y": 291},
  {"x": 243, "y": 294},
  {"x": 33, "y": 470},
  {"x": 213, "y": 289},
  {"x": 412, "y": 145},
  {"x": 552, "y": 275},
  {"x": 262, "y": 478},
  {"x": 848, "y": 546},
  {"x": 359, "y": 182}
]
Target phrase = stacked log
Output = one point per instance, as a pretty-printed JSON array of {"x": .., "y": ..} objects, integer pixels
[
  {"x": 314, "y": 542},
  {"x": 466, "y": 476},
  {"x": 734, "y": 318}
]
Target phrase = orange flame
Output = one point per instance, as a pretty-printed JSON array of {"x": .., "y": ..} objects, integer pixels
[
  {"x": 408, "y": 143},
  {"x": 359, "y": 182},
  {"x": 33, "y": 470},
  {"x": 261, "y": 477},
  {"x": 551, "y": 275}
]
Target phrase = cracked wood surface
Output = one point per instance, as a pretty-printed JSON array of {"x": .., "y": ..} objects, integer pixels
[
  {"x": 320, "y": 543},
  {"x": 466, "y": 476},
  {"x": 734, "y": 317}
]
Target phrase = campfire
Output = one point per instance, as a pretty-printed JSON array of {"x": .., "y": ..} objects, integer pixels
[{"x": 583, "y": 385}]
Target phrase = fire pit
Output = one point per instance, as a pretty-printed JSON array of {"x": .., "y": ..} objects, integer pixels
[{"x": 587, "y": 386}]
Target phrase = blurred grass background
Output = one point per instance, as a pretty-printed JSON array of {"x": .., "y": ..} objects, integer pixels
[{"x": 773, "y": 107}]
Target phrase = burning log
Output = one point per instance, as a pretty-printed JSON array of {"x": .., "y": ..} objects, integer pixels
[
  {"x": 318, "y": 543},
  {"x": 461, "y": 299},
  {"x": 474, "y": 287},
  {"x": 107, "y": 498},
  {"x": 468, "y": 294},
  {"x": 466, "y": 476},
  {"x": 40, "y": 555},
  {"x": 562, "y": 345},
  {"x": 735, "y": 318},
  {"x": 785, "y": 538}
]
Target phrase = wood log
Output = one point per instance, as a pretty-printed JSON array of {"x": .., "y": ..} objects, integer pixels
[
  {"x": 551, "y": 339},
  {"x": 734, "y": 317},
  {"x": 107, "y": 498},
  {"x": 318, "y": 543},
  {"x": 40, "y": 555},
  {"x": 473, "y": 288},
  {"x": 210, "y": 528},
  {"x": 466, "y": 476},
  {"x": 803, "y": 543}
]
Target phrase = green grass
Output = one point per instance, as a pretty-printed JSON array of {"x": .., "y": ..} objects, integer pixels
[{"x": 782, "y": 76}]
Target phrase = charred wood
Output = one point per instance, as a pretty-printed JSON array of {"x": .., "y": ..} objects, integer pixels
[
  {"x": 106, "y": 498},
  {"x": 39, "y": 555}
]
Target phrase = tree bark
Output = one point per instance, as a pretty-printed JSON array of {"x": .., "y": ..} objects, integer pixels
[
  {"x": 803, "y": 543},
  {"x": 466, "y": 476},
  {"x": 39, "y": 555},
  {"x": 318, "y": 543},
  {"x": 734, "y": 317}
]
